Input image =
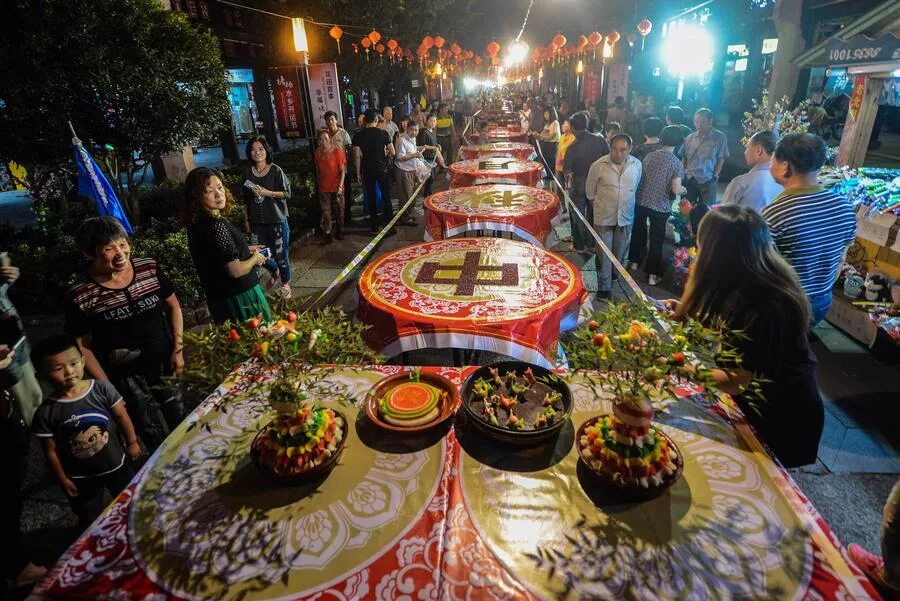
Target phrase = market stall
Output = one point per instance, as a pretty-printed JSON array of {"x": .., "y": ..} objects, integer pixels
[
  {"x": 495, "y": 171},
  {"x": 486, "y": 294},
  {"x": 524, "y": 211},
  {"x": 451, "y": 514}
]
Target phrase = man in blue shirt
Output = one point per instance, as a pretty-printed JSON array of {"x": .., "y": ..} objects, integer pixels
[
  {"x": 704, "y": 153},
  {"x": 756, "y": 188}
]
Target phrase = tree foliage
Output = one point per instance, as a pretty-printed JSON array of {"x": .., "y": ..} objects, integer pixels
[{"x": 128, "y": 74}]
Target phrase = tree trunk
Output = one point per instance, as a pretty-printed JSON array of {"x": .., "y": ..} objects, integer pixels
[{"x": 787, "y": 16}]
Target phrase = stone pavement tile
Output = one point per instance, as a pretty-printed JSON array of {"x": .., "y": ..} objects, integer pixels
[
  {"x": 832, "y": 439},
  {"x": 317, "y": 278},
  {"x": 863, "y": 451},
  {"x": 851, "y": 504},
  {"x": 335, "y": 257}
]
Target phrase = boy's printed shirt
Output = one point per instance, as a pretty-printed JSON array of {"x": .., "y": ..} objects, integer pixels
[{"x": 86, "y": 434}]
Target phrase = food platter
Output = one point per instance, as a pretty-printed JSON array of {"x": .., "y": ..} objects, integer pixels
[
  {"x": 302, "y": 446},
  {"x": 523, "y": 404},
  {"x": 656, "y": 473},
  {"x": 411, "y": 401}
]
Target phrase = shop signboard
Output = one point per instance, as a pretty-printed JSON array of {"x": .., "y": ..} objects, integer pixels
[
  {"x": 591, "y": 86},
  {"x": 618, "y": 82},
  {"x": 862, "y": 50},
  {"x": 324, "y": 93},
  {"x": 288, "y": 101}
]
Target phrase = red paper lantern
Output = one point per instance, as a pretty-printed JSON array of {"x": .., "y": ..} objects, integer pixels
[
  {"x": 631, "y": 39},
  {"x": 428, "y": 42},
  {"x": 439, "y": 41},
  {"x": 478, "y": 60},
  {"x": 582, "y": 43},
  {"x": 595, "y": 38},
  {"x": 644, "y": 27},
  {"x": 392, "y": 44},
  {"x": 366, "y": 43},
  {"x": 455, "y": 49},
  {"x": 336, "y": 32},
  {"x": 379, "y": 48},
  {"x": 374, "y": 36},
  {"x": 613, "y": 37},
  {"x": 422, "y": 52},
  {"x": 492, "y": 49},
  {"x": 559, "y": 40}
]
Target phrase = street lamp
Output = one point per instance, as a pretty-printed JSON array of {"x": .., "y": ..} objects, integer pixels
[
  {"x": 300, "y": 42},
  {"x": 579, "y": 79}
]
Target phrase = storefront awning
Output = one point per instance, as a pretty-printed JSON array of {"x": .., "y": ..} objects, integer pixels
[{"x": 863, "y": 34}]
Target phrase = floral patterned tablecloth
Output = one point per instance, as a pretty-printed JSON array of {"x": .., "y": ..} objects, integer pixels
[
  {"x": 495, "y": 171},
  {"x": 487, "y": 294},
  {"x": 510, "y": 133},
  {"x": 451, "y": 515},
  {"x": 515, "y": 150},
  {"x": 525, "y": 211}
]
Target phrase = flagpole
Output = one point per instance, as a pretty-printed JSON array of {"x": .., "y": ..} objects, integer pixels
[{"x": 72, "y": 129}]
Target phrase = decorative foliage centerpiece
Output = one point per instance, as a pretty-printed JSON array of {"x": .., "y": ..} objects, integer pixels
[
  {"x": 620, "y": 353},
  {"x": 776, "y": 116},
  {"x": 319, "y": 337}
]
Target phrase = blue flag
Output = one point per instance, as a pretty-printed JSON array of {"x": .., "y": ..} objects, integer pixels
[{"x": 92, "y": 183}]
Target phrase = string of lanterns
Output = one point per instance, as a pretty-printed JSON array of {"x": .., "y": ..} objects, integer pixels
[{"x": 431, "y": 52}]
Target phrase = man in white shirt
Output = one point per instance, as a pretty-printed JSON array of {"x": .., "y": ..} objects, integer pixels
[
  {"x": 756, "y": 188},
  {"x": 409, "y": 156},
  {"x": 611, "y": 186}
]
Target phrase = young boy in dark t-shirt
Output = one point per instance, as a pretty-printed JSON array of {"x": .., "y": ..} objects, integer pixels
[{"x": 79, "y": 426}]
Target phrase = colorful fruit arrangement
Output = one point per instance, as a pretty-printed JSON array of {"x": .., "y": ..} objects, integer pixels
[
  {"x": 296, "y": 442},
  {"x": 412, "y": 403}
]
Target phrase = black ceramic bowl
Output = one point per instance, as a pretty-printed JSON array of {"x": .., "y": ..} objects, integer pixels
[{"x": 471, "y": 404}]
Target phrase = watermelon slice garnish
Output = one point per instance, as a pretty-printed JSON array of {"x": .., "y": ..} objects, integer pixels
[{"x": 411, "y": 404}]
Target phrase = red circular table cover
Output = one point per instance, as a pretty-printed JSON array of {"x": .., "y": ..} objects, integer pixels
[
  {"x": 490, "y": 294},
  {"x": 516, "y": 150},
  {"x": 495, "y": 171},
  {"x": 502, "y": 134},
  {"x": 523, "y": 210}
]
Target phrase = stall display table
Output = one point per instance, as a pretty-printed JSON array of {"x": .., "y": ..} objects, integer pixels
[
  {"x": 495, "y": 171},
  {"x": 502, "y": 134},
  {"x": 487, "y": 294},
  {"x": 451, "y": 515},
  {"x": 525, "y": 211},
  {"x": 516, "y": 150}
]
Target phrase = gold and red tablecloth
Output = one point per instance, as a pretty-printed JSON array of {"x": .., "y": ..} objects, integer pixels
[
  {"x": 450, "y": 515},
  {"x": 523, "y": 210},
  {"x": 487, "y": 294},
  {"x": 495, "y": 171},
  {"x": 502, "y": 134},
  {"x": 516, "y": 150}
]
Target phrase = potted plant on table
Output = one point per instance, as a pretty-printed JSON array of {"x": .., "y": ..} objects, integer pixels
[{"x": 639, "y": 356}]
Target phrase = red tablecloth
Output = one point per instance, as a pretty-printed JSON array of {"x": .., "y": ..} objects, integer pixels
[
  {"x": 516, "y": 150},
  {"x": 495, "y": 171},
  {"x": 502, "y": 134},
  {"x": 473, "y": 293},
  {"x": 523, "y": 210},
  {"x": 452, "y": 517}
]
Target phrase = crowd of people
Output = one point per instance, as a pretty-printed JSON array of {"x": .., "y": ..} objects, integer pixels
[{"x": 767, "y": 256}]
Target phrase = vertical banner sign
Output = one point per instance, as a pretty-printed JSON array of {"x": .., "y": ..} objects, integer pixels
[
  {"x": 859, "y": 89},
  {"x": 288, "y": 99},
  {"x": 618, "y": 83},
  {"x": 591, "y": 87},
  {"x": 325, "y": 93}
]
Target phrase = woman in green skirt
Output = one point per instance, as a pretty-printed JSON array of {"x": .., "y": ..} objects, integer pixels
[{"x": 225, "y": 263}]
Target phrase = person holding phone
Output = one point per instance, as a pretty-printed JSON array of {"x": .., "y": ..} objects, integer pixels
[
  {"x": 25, "y": 389},
  {"x": 225, "y": 263},
  {"x": 266, "y": 193}
]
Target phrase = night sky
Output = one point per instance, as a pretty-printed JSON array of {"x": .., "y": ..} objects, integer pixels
[{"x": 503, "y": 18}]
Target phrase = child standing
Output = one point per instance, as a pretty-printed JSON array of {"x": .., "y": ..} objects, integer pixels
[{"x": 79, "y": 426}]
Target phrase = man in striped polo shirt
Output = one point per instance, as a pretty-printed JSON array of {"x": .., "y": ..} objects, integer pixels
[{"x": 811, "y": 225}]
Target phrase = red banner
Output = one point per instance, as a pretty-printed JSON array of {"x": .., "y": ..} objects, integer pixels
[{"x": 288, "y": 101}]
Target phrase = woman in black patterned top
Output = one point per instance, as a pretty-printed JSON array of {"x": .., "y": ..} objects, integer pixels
[{"x": 225, "y": 263}]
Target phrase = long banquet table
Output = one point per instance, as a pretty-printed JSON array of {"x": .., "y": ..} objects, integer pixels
[{"x": 451, "y": 515}]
